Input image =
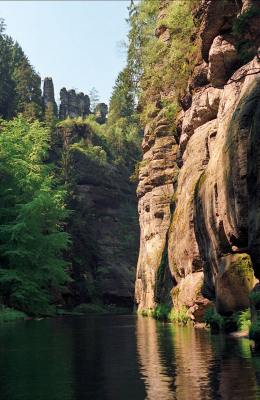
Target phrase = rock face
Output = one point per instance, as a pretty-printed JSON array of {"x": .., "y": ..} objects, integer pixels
[
  {"x": 104, "y": 224},
  {"x": 101, "y": 111},
  {"x": 48, "y": 94},
  {"x": 199, "y": 196},
  {"x": 73, "y": 104}
]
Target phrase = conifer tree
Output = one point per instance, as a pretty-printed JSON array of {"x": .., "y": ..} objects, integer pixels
[{"x": 32, "y": 215}]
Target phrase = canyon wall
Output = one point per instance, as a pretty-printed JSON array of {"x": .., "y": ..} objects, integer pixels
[
  {"x": 104, "y": 221},
  {"x": 199, "y": 179}
]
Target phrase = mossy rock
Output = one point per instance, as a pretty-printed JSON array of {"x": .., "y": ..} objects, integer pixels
[{"x": 234, "y": 282}]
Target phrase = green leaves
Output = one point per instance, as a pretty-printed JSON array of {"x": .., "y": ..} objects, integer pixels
[
  {"x": 20, "y": 85},
  {"x": 32, "y": 218}
]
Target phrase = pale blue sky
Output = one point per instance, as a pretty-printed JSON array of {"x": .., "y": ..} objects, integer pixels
[{"x": 74, "y": 42}]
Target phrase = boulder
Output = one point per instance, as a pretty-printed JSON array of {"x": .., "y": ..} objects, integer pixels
[
  {"x": 218, "y": 19},
  {"x": 234, "y": 282},
  {"x": 188, "y": 294},
  {"x": 223, "y": 60}
]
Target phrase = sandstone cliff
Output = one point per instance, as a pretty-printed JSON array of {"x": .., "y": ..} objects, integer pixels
[
  {"x": 73, "y": 104},
  {"x": 104, "y": 223},
  {"x": 199, "y": 178},
  {"x": 48, "y": 94}
]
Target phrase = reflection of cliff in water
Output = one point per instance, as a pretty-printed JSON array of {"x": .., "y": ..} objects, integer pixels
[
  {"x": 185, "y": 363},
  {"x": 154, "y": 371}
]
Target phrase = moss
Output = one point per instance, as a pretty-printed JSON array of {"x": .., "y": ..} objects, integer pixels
[
  {"x": 176, "y": 271},
  {"x": 243, "y": 268},
  {"x": 161, "y": 273}
]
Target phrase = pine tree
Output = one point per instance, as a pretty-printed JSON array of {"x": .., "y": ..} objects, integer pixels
[
  {"x": 94, "y": 99},
  {"x": 32, "y": 215},
  {"x": 6, "y": 83}
]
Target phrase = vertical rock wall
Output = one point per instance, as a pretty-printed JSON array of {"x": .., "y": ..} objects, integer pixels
[
  {"x": 199, "y": 219},
  {"x": 48, "y": 94},
  {"x": 73, "y": 104}
]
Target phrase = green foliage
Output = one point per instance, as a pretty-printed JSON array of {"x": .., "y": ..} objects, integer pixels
[
  {"x": 94, "y": 99},
  {"x": 161, "y": 312},
  {"x": 160, "y": 273},
  {"x": 213, "y": 319},
  {"x": 240, "y": 321},
  {"x": 128, "y": 232},
  {"x": 20, "y": 88},
  {"x": 242, "y": 24},
  {"x": 242, "y": 27},
  {"x": 254, "y": 331},
  {"x": 166, "y": 313},
  {"x": 255, "y": 297},
  {"x": 9, "y": 314},
  {"x": 96, "y": 309},
  {"x": 141, "y": 38},
  {"x": 147, "y": 313},
  {"x": 179, "y": 316},
  {"x": 244, "y": 320},
  {"x": 32, "y": 215},
  {"x": 168, "y": 64}
]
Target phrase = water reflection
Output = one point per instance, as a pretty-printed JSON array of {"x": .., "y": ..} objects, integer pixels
[
  {"x": 187, "y": 363},
  {"x": 35, "y": 362},
  {"x": 104, "y": 357}
]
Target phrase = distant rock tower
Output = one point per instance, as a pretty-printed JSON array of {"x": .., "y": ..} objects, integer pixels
[
  {"x": 73, "y": 104},
  {"x": 101, "y": 111},
  {"x": 48, "y": 94}
]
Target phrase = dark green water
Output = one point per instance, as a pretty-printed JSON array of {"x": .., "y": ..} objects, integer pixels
[{"x": 123, "y": 357}]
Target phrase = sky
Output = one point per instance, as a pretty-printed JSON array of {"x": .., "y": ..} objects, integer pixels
[{"x": 74, "y": 42}]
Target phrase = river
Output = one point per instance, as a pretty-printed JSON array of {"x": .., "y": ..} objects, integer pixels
[{"x": 123, "y": 357}]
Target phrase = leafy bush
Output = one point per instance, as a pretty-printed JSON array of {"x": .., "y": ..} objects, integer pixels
[
  {"x": 255, "y": 297},
  {"x": 88, "y": 308},
  {"x": 166, "y": 313},
  {"x": 9, "y": 314},
  {"x": 254, "y": 331},
  {"x": 237, "y": 321},
  {"x": 94, "y": 308},
  {"x": 161, "y": 311},
  {"x": 244, "y": 320},
  {"x": 212, "y": 318},
  {"x": 179, "y": 316}
]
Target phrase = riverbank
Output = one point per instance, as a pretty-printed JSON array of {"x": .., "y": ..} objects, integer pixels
[{"x": 10, "y": 314}]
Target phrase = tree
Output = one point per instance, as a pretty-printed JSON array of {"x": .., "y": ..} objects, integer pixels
[
  {"x": 6, "y": 83},
  {"x": 94, "y": 99},
  {"x": 50, "y": 119},
  {"x": 28, "y": 89},
  {"x": 32, "y": 218},
  {"x": 20, "y": 85}
]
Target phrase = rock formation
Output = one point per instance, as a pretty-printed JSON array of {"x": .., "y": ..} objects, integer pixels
[
  {"x": 198, "y": 190},
  {"x": 73, "y": 104},
  {"x": 104, "y": 223},
  {"x": 48, "y": 94},
  {"x": 101, "y": 111}
]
